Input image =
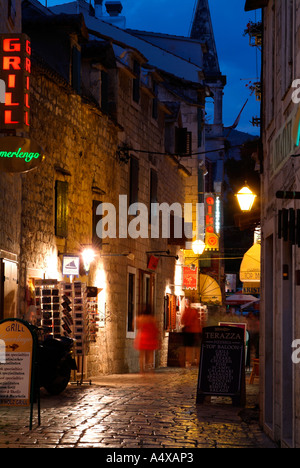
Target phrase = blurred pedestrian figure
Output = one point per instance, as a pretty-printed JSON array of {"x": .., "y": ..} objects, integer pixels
[
  {"x": 190, "y": 321},
  {"x": 147, "y": 339}
]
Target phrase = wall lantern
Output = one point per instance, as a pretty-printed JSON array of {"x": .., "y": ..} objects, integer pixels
[
  {"x": 198, "y": 247},
  {"x": 88, "y": 256},
  {"x": 245, "y": 198}
]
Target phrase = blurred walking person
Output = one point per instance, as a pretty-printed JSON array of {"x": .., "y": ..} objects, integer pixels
[
  {"x": 147, "y": 339},
  {"x": 192, "y": 330}
]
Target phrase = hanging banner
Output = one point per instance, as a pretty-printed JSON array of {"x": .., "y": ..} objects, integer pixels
[
  {"x": 189, "y": 278},
  {"x": 152, "y": 263},
  {"x": 16, "y": 364},
  {"x": 211, "y": 241}
]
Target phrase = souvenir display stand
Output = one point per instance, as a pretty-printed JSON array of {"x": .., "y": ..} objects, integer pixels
[
  {"x": 47, "y": 301},
  {"x": 69, "y": 309}
]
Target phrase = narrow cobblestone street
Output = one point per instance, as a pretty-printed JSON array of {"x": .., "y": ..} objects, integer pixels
[{"x": 132, "y": 411}]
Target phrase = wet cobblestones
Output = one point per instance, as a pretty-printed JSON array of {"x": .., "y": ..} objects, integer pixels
[{"x": 131, "y": 411}]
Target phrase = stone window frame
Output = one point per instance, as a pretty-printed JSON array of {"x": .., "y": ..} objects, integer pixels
[{"x": 131, "y": 330}]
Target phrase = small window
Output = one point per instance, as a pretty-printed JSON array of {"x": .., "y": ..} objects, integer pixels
[
  {"x": 61, "y": 208},
  {"x": 134, "y": 181},
  {"x": 136, "y": 81}
]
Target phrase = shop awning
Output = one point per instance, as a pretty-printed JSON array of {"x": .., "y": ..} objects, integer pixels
[
  {"x": 250, "y": 266},
  {"x": 209, "y": 289}
]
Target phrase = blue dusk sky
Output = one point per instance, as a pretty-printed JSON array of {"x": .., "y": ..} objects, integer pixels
[{"x": 239, "y": 62}]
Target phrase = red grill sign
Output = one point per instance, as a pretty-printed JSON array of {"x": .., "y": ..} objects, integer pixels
[{"x": 15, "y": 70}]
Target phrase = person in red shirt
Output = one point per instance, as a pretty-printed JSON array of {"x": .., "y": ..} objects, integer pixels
[
  {"x": 192, "y": 330},
  {"x": 147, "y": 339}
]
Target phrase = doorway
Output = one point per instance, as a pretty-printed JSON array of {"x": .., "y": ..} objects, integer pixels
[{"x": 8, "y": 288}]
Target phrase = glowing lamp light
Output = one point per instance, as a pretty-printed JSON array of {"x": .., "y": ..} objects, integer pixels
[
  {"x": 198, "y": 247},
  {"x": 245, "y": 198},
  {"x": 88, "y": 256}
]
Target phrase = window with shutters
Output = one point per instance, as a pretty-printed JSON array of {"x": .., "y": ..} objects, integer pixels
[
  {"x": 177, "y": 231},
  {"x": 136, "y": 82},
  {"x": 96, "y": 240},
  {"x": 61, "y": 208},
  {"x": 183, "y": 141},
  {"x": 134, "y": 181}
]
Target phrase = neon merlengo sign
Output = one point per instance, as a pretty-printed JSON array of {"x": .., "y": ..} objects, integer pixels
[{"x": 18, "y": 154}]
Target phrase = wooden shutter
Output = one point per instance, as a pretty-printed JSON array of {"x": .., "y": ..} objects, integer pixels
[
  {"x": 183, "y": 141},
  {"x": 61, "y": 208},
  {"x": 175, "y": 222}
]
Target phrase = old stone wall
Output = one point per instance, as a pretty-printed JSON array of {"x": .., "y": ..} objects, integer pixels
[
  {"x": 10, "y": 184},
  {"x": 80, "y": 145}
]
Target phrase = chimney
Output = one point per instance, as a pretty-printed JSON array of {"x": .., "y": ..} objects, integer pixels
[
  {"x": 98, "y": 8},
  {"x": 114, "y": 8}
]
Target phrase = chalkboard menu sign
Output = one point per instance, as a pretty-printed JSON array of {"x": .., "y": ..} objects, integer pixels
[{"x": 222, "y": 365}]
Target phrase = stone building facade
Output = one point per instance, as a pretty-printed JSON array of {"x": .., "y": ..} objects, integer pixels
[
  {"x": 10, "y": 197},
  {"x": 104, "y": 127},
  {"x": 280, "y": 124}
]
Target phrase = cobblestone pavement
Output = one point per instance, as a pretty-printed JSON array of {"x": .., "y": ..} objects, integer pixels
[{"x": 131, "y": 411}]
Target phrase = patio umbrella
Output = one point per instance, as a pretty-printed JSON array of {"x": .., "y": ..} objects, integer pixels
[
  {"x": 237, "y": 299},
  {"x": 209, "y": 290}
]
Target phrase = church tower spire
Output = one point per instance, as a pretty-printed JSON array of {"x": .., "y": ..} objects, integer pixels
[{"x": 202, "y": 30}]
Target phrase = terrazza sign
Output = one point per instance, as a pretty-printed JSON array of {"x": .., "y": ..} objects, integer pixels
[
  {"x": 19, "y": 154},
  {"x": 15, "y": 69}
]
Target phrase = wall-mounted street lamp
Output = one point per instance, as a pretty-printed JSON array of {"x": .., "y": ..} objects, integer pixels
[
  {"x": 88, "y": 255},
  {"x": 128, "y": 255},
  {"x": 198, "y": 247},
  {"x": 246, "y": 198},
  {"x": 162, "y": 253}
]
